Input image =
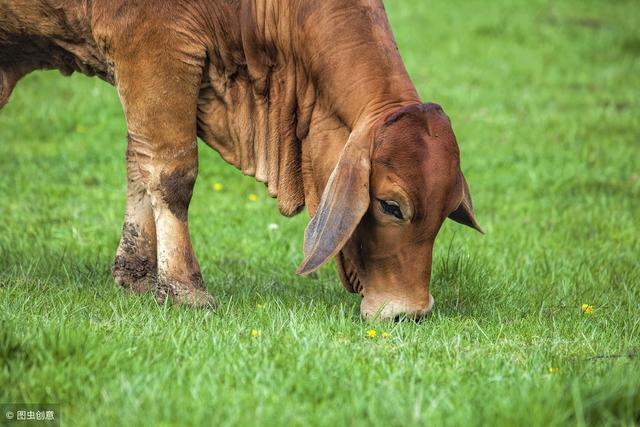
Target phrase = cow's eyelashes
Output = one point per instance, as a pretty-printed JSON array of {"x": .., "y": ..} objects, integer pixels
[{"x": 391, "y": 208}]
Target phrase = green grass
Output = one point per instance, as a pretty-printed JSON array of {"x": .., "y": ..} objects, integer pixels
[{"x": 545, "y": 99}]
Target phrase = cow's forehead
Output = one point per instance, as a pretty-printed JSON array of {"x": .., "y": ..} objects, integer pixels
[
  {"x": 409, "y": 148},
  {"x": 425, "y": 164}
]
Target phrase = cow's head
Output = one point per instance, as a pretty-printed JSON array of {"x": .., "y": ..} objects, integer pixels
[{"x": 395, "y": 183}]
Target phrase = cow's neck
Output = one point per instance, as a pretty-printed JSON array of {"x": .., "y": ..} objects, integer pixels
[
  {"x": 291, "y": 80},
  {"x": 351, "y": 59}
]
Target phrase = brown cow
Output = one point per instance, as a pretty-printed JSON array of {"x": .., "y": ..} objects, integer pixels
[{"x": 310, "y": 97}]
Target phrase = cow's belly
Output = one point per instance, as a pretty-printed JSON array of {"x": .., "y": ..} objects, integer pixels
[
  {"x": 45, "y": 37},
  {"x": 35, "y": 52}
]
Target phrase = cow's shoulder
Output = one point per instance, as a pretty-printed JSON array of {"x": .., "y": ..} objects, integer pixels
[{"x": 144, "y": 25}]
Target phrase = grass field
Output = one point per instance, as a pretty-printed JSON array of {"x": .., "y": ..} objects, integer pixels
[{"x": 545, "y": 99}]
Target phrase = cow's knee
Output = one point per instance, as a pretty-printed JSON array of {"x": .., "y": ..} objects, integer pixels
[{"x": 174, "y": 188}]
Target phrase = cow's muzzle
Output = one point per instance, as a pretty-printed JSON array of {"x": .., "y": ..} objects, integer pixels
[{"x": 395, "y": 307}]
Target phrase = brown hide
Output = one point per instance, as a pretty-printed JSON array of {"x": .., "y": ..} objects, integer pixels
[{"x": 277, "y": 87}]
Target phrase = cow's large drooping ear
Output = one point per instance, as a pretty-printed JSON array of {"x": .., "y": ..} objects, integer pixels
[
  {"x": 464, "y": 212},
  {"x": 344, "y": 202}
]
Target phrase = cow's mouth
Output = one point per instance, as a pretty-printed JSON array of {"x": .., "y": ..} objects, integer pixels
[{"x": 348, "y": 274}]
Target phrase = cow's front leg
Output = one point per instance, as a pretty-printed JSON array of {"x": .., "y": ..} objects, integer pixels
[
  {"x": 159, "y": 90},
  {"x": 170, "y": 185},
  {"x": 134, "y": 267}
]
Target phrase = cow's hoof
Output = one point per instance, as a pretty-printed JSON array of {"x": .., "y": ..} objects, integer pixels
[
  {"x": 134, "y": 274},
  {"x": 185, "y": 294}
]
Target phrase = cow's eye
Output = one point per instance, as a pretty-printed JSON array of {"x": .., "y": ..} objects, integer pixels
[{"x": 391, "y": 208}]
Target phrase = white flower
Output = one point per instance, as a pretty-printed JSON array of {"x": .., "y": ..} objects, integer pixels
[{"x": 272, "y": 227}]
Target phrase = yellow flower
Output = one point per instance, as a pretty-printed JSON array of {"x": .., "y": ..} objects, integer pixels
[
  {"x": 385, "y": 335},
  {"x": 587, "y": 309},
  {"x": 371, "y": 333},
  {"x": 255, "y": 333},
  {"x": 552, "y": 370},
  {"x": 218, "y": 186},
  {"x": 253, "y": 197},
  {"x": 260, "y": 305}
]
